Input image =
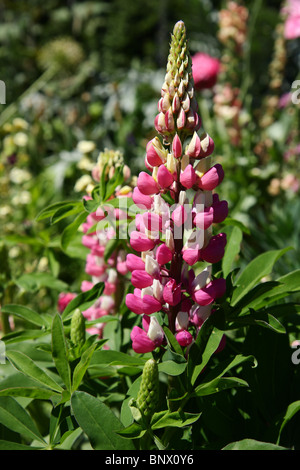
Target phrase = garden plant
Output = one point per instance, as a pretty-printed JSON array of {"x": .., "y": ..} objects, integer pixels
[{"x": 155, "y": 307}]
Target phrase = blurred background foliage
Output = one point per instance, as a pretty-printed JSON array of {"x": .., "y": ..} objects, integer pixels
[{"x": 92, "y": 71}]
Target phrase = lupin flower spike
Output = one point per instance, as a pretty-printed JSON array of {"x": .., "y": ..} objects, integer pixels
[
  {"x": 178, "y": 105},
  {"x": 170, "y": 238}
]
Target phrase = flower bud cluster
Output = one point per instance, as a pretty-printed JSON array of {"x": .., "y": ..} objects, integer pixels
[
  {"x": 173, "y": 232},
  {"x": 178, "y": 105}
]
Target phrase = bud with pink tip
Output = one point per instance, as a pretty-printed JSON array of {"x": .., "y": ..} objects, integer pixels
[
  {"x": 188, "y": 177},
  {"x": 177, "y": 147},
  {"x": 207, "y": 145},
  {"x": 184, "y": 338},
  {"x": 194, "y": 147}
]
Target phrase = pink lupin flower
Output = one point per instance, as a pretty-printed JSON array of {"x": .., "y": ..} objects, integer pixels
[
  {"x": 140, "y": 242},
  {"x": 64, "y": 299},
  {"x": 141, "y": 303},
  {"x": 163, "y": 254},
  {"x": 210, "y": 292},
  {"x": 172, "y": 293},
  {"x": 212, "y": 178},
  {"x": 214, "y": 251},
  {"x": 172, "y": 237},
  {"x": 205, "y": 70},
  {"x": 164, "y": 177},
  {"x": 220, "y": 209},
  {"x": 141, "y": 200},
  {"x": 141, "y": 279},
  {"x": 147, "y": 184},
  {"x": 149, "y": 338},
  {"x": 134, "y": 262}
]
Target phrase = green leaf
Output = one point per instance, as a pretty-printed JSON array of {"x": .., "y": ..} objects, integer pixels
[
  {"x": 251, "y": 444},
  {"x": 213, "y": 380},
  {"x": 26, "y": 313},
  {"x": 172, "y": 363},
  {"x": 8, "y": 445},
  {"x": 173, "y": 343},
  {"x": 292, "y": 409},
  {"x": 71, "y": 230},
  {"x": 236, "y": 223},
  {"x": 49, "y": 211},
  {"x": 202, "y": 351},
  {"x": 99, "y": 423},
  {"x": 66, "y": 211},
  {"x": 28, "y": 367},
  {"x": 176, "y": 419},
  {"x": 133, "y": 431},
  {"x": 23, "y": 335},
  {"x": 35, "y": 281},
  {"x": 83, "y": 300},
  {"x": 264, "y": 319},
  {"x": 82, "y": 366},
  {"x": 218, "y": 385},
  {"x": 60, "y": 352},
  {"x": 29, "y": 392},
  {"x": 261, "y": 266},
  {"x": 117, "y": 358},
  {"x": 15, "y": 418},
  {"x": 234, "y": 239}
]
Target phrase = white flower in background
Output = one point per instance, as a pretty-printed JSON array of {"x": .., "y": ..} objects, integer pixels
[
  {"x": 24, "y": 197},
  {"x": 86, "y": 146},
  {"x": 20, "y": 123},
  {"x": 19, "y": 175},
  {"x": 5, "y": 210},
  {"x": 20, "y": 139},
  {"x": 82, "y": 183},
  {"x": 85, "y": 164}
]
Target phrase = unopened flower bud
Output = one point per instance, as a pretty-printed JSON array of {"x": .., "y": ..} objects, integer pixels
[
  {"x": 194, "y": 148},
  {"x": 148, "y": 395},
  {"x": 177, "y": 147}
]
